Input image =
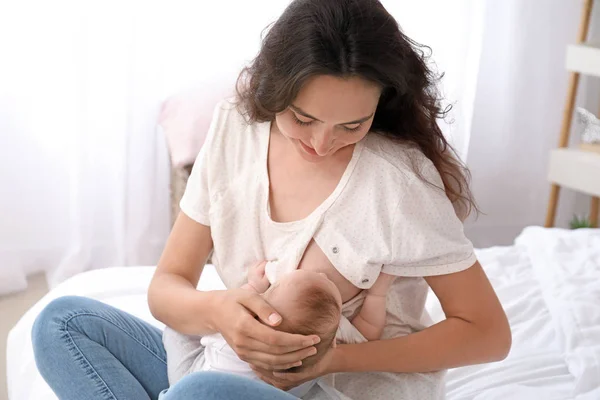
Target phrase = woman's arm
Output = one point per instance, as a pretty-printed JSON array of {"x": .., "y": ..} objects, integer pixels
[
  {"x": 174, "y": 300},
  {"x": 475, "y": 331},
  {"x": 172, "y": 296}
]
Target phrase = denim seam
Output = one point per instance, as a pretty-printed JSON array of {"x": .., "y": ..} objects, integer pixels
[
  {"x": 119, "y": 327},
  {"x": 66, "y": 330}
]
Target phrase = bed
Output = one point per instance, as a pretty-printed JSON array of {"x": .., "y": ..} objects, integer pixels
[{"x": 548, "y": 281}]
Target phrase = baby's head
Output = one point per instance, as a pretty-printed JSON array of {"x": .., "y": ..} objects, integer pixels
[{"x": 310, "y": 304}]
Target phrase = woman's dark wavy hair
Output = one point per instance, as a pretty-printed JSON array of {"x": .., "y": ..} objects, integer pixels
[{"x": 348, "y": 38}]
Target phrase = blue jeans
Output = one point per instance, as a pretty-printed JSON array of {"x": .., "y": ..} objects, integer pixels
[{"x": 89, "y": 350}]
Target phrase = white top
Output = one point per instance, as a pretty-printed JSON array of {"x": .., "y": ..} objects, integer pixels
[{"x": 380, "y": 217}]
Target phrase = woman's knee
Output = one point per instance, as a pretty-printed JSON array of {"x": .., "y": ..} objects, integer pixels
[
  {"x": 50, "y": 324},
  {"x": 205, "y": 385},
  {"x": 192, "y": 382},
  {"x": 211, "y": 385}
]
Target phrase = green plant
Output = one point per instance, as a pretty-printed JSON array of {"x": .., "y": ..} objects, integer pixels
[{"x": 580, "y": 222}]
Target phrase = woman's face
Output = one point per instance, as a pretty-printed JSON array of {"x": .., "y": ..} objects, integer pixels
[{"x": 329, "y": 114}]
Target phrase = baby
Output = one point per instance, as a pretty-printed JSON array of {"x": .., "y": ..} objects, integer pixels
[{"x": 308, "y": 302}]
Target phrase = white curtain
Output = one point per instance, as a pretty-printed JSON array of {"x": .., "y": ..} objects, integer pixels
[
  {"x": 519, "y": 100},
  {"x": 83, "y": 171},
  {"x": 453, "y": 30}
]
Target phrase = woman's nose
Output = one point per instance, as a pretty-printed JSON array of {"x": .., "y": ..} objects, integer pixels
[{"x": 322, "y": 141}]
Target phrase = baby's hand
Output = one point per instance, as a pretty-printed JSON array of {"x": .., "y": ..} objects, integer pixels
[
  {"x": 257, "y": 278},
  {"x": 381, "y": 285}
]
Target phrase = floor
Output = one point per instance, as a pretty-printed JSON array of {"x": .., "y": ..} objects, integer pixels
[{"x": 11, "y": 309}]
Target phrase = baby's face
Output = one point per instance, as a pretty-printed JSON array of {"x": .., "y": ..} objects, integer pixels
[{"x": 283, "y": 294}]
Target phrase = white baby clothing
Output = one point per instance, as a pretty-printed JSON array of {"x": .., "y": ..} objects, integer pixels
[
  {"x": 187, "y": 354},
  {"x": 381, "y": 217},
  {"x": 219, "y": 356}
]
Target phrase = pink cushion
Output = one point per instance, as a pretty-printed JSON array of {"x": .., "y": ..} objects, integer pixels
[{"x": 185, "y": 119}]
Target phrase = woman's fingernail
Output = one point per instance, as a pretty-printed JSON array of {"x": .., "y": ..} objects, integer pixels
[
  {"x": 313, "y": 352},
  {"x": 299, "y": 363},
  {"x": 316, "y": 340},
  {"x": 274, "y": 318}
]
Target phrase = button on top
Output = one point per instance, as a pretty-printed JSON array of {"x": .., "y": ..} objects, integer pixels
[
  {"x": 365, "y": 280},
  {"x": 335, "y": 250}
]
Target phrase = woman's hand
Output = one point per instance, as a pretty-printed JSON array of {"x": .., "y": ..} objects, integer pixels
[
  {"x": 287, "y": 380},
  {"x": 235, "y": 317}
]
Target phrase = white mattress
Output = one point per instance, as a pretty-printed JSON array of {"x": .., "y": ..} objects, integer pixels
[{"x": 549, "y": 283}]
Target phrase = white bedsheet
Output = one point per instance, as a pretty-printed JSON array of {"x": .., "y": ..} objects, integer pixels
[{"x": 548, "y": 282}]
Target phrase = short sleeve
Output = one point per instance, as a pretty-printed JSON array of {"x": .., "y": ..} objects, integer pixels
[
  {"x": 195, "y": 202},
  {"x": 427, "y": 238}
]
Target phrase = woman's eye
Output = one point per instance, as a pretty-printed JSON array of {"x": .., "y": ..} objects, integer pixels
[
  {"x": 300, "y": 122},
  {"x": 352, "y": 128}
]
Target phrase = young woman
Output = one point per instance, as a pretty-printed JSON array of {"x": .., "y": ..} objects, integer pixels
[{"x": 329, "y": 159}]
